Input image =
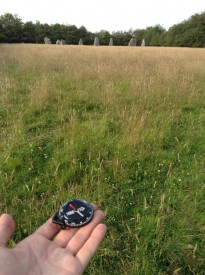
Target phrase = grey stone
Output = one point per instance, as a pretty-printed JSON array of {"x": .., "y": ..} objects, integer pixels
[
  {"x": 47, "y": 40},
  {"x": 143, "y": 43},
  {"x": 132, "y": 42},
  {"x": 111, "y": 42},
  {"x": 80, "y": 42},
  {"x": 60, "y": 42},
  {"x": 96, "y": 41}
]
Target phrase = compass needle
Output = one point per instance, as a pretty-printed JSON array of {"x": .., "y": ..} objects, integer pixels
[
  {"x": 80, "y": 213},
  {"x": 72, "y": 206}
]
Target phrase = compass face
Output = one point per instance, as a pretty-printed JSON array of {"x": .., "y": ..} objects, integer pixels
[{"x": 74, "y": 213}]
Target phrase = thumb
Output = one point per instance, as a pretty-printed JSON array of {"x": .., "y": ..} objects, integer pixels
[{"x": 7, "y": 227}]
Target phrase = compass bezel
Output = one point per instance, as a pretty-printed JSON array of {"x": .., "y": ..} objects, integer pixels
[{"x": 73, "y": 214}]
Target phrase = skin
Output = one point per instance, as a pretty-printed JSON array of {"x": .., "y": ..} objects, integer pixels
[{"x": 50, "y": 250}]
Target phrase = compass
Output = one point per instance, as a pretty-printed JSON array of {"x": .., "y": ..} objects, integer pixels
[{"x": 74, "y": 213}]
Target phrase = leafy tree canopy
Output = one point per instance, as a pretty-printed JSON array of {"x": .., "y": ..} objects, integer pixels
[{"x": 189, "y": 33}]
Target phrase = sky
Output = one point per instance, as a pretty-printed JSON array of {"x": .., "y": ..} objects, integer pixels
[{"x": 110, "y": 15}]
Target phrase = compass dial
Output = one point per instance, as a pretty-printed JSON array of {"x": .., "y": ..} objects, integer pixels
[{"x": 74, "y": 213}]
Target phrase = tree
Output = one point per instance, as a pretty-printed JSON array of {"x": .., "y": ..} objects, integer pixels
[
  {"x": 152, "y": 35},
  {"x": 3, "y": 38},
  {"x": 82, "y": 32},
  {"x": 189, "y": 33},
  {"x": 89, "y": 39},
  {"x": 104, "y": 37},
  {"x": 47, "y": 30},
  {"x": 175, "y": 35},
  {"x": 72, "y": 34},
  {"x": 140, "y": 35},
  {"x": 29, "y": 32},
  {"x": 121, "y": 38},
  {"x": 194, "y": 35},
  {"x": 39, "y": 32},
  {"x": 58, "y": 32},
  {"x": 11, "y": 27}
]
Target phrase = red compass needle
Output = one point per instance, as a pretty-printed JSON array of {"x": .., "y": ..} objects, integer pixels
[{"x": 72, "y": 206}]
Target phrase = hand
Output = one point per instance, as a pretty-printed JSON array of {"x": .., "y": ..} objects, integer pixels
[{"x": 50, "y": 250}]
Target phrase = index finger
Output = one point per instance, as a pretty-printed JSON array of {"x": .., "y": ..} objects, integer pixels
[{"x": 48, "y": 229}]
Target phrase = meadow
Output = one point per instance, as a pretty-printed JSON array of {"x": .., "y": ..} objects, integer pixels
[{"x": 123, "y": 127}]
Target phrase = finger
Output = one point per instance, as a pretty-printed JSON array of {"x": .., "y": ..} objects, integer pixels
[
  {"x": 7, "y": 227},
  {"x": 64, "y": 236},
  {"x": 48, "y": 229},
  {"x": 87, "y": 252},
  {"x": 82, "y": 235}
]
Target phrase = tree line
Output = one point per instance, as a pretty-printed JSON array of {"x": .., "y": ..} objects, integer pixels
[{"x": 189, "y": 33}]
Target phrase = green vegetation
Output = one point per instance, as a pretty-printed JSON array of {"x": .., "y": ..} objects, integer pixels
[
  {"x": 122, "y": 127},
  {"x": 189, "y": 33}
]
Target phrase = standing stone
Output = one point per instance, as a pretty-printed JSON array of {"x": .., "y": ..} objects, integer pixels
[
  {"x": 96, "y": 41},
  {"x": 132, "y": 42},
  {"x": 143, "y": 43},
  {"x": 47, "y": 40},
  {"x": 62, "y": 42},
  {"x": 111, "y": 42},
  {"x": 80, "y": 42}
]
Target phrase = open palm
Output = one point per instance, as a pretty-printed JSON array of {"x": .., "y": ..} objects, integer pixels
[{"x": 50, "y": 250}]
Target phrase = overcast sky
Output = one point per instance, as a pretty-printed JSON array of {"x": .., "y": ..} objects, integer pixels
[{"x": 110, "y": 15}]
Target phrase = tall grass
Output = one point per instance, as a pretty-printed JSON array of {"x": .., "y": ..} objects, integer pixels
[{"x": 119, "y": 126}]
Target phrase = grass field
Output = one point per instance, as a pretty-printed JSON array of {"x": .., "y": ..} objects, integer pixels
[{"x": 123, "y": 127}]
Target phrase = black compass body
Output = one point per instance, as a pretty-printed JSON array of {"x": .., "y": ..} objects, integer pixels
[{"x": 74, "y": 213}]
